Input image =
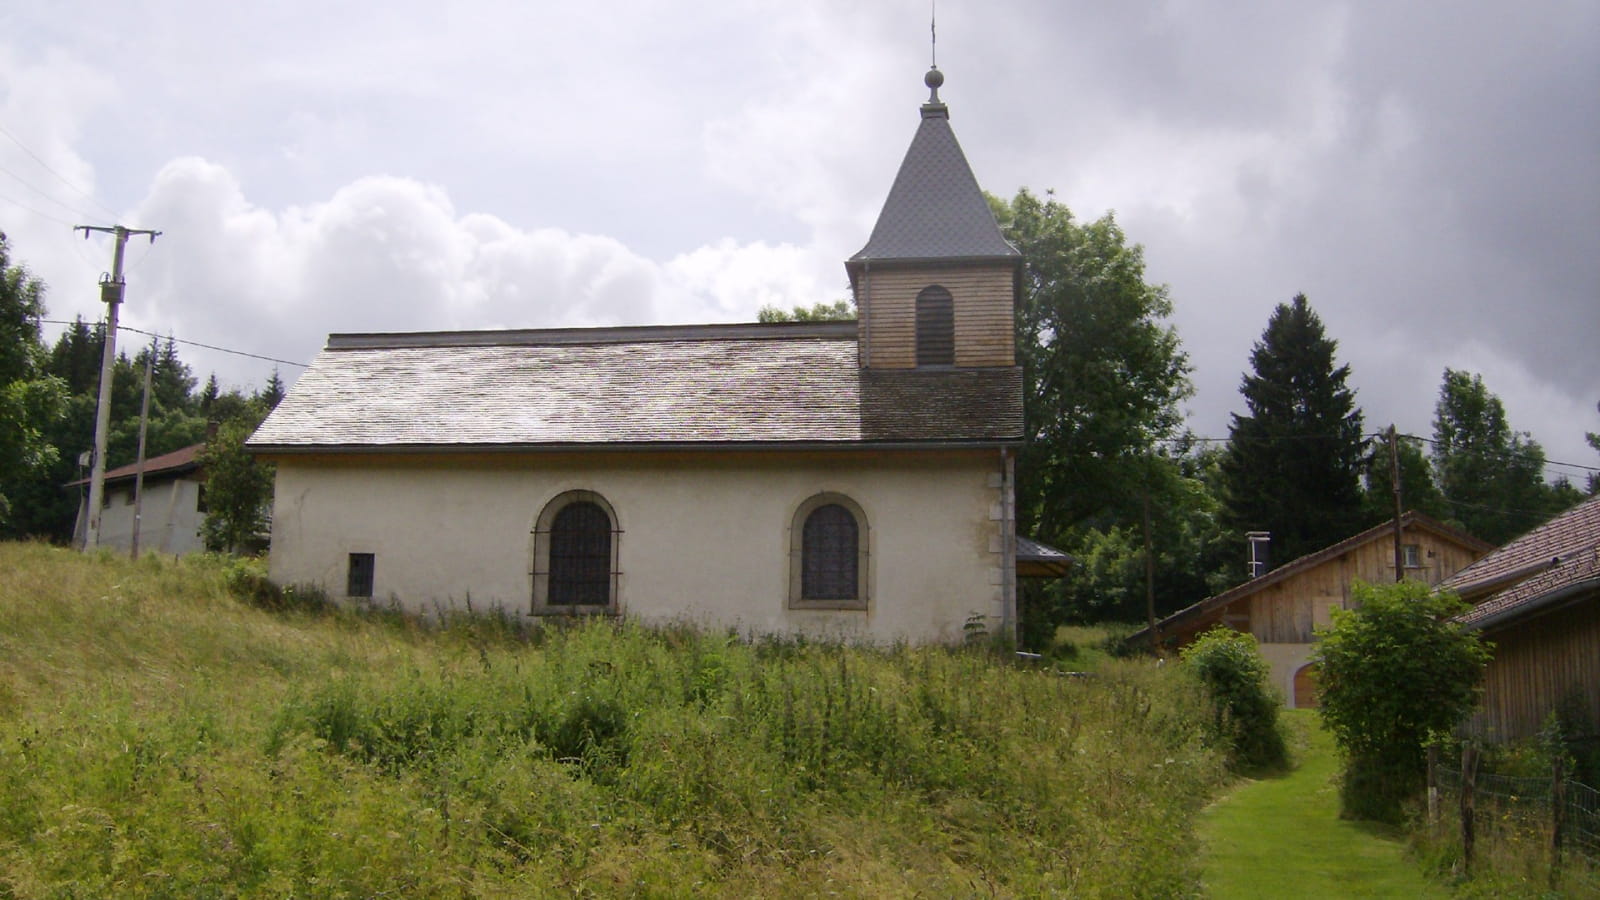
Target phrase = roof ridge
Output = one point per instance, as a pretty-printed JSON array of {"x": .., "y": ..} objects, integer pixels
[{"x": 616, "y": 334}]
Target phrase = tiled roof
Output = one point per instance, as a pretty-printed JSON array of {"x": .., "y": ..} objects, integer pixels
[
  {"x": 776, "y": 384},
  {"x": 1558, "y": 557},
  {"x": 166, "y": 465},
  {"x": 1411, "y": 520},
  {"x": 1575, "y": 530},
  {"x": 935, "y": 209}
]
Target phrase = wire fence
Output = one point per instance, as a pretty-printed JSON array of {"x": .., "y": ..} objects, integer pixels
[{"x": 1546, "y": 826}]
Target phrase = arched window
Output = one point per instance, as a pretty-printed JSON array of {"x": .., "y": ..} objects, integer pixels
[
  {"x": 575, "y": 555},
  {"x": 936, "y": 327},
  {"x": 828, "y": 554}
]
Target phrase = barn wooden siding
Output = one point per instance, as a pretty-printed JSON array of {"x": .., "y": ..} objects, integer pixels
[
  {"x": 985, "y": 328},
  {"x": 1287, "y": 612},
  {"x": 1537, "y": 664}
]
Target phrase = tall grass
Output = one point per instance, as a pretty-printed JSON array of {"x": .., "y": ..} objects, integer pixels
[{"x": 160, "y": 737}]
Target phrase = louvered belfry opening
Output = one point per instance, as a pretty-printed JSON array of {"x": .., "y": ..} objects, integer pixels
[
  {"x": 830, "y": 554},
  {"x": 580, "y": 556},
  {"x": 936, "y": 327}
]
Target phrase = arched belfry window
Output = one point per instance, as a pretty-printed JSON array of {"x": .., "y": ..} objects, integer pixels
[
  {"x": 575, "y": 555},
  {"x": 828, "y": 544},
  {"x": 936, "y": 327}
]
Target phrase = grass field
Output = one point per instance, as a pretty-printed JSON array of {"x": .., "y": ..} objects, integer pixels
[
  {"x": 161, "y": 737},
  {"x": 1282, "y": 836}
]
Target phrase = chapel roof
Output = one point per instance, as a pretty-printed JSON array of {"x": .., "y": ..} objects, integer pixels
[
  {"x": 935, "y": 210},
  {"x": 797, "y": 385}
]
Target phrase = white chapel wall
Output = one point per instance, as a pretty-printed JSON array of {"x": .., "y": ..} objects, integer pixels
[{"x": 705, "y": 537}]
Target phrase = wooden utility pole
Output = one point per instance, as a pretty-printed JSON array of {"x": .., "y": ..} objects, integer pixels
[
  {"x": 138, "y": 472},
  {"x": 1399, "y": 527},
  {"x": 111, "y": 294},
  {"x": 1150, "y": 579}
]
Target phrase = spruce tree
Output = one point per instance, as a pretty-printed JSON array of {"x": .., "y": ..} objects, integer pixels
[{"x": 1294, "y": 462}]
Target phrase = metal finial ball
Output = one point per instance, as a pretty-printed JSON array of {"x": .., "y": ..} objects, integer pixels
[{"x": 933, "y": 79}]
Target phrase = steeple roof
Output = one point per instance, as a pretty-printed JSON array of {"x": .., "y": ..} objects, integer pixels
[{"x": 935, "y": 209}]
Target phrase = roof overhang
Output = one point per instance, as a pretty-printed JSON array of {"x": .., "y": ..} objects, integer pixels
[
  {"x": 620, "y": 447},
  {"x": 1559, "y": 598}
]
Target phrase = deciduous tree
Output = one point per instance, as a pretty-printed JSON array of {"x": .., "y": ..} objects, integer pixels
[
  {"x": 1393, "y": 671},
  {"x": 1491, "y": 476}
]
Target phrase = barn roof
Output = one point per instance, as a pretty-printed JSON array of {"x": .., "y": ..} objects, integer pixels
[
  {"x": 935, "y": 210},
  {"x": 753, "y": 385}
]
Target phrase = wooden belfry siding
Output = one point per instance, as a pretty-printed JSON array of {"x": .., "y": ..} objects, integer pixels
[
  {"x": 984, "y": 333},
  {"x": 1536, "y": 665}
]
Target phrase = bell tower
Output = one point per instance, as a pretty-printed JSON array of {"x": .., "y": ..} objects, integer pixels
[{"x": 936, "y": 284}]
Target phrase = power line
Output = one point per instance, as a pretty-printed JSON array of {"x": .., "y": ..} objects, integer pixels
[
  {"x": 39, "y": 213},
  {"x": 1268, "y": 439},
  {"x": 120, "y": 327},
  {"x": 44, "y": 193},
  {"x": 58, "y": 175}
]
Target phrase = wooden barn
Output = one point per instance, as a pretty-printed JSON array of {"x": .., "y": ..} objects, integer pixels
[
  {"x": 1284, "y": 607},
  {"x": 1538, "y": 600}
]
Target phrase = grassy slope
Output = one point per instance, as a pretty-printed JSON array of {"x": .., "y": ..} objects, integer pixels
[
  {"x": 1282, "y": 837},
  {"x": 160, "y": 738}
]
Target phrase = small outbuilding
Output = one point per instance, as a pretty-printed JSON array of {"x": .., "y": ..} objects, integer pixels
[
  {"x": 1284, "y": 607},
  {"x": 170, "y": 512},
  {"x": 1537, "y": 599}
]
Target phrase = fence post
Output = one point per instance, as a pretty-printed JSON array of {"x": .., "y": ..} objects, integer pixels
[
  {"x": 1433, "y": 784},
  {"x": 1469, "y": 780},
  {"x": 1558, "y": 816}
]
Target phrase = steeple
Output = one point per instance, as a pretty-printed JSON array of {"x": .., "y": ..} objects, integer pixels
[
  {"x": 936, "y": 284},
  {"x": 935, "y": 209}
]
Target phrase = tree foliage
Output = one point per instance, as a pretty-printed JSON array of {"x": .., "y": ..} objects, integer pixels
[
  {"x": 837, "y": 311},
  {"x": 1393, "y": 672},
  {"x": 48, "y": 397},
  {"x": 1103, "y": 376},
  {"x": 1295, "y": 459},
  {"x": 1491, "y": 476},
  {"x": 31, "y": 400},
  {"x": 1417, "y": 489},
  {"x": 238, "y": 487},
  {"x": 1235, "y": 676}
]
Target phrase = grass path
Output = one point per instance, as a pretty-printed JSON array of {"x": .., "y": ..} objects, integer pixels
[{"x": 1282, "y": 837}]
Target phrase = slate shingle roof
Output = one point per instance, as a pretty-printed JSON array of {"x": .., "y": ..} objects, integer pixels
[
  {"x": 1561, "y": 554},
  {"x": 935, "y": 209},
  {"x": 779, "y": 384}
]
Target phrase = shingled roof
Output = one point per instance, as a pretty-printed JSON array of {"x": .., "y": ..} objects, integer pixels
[
  {"x": 935, "y": 209},
  {"x": 773, "y": 385}
]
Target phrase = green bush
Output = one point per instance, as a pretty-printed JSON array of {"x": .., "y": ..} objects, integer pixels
[
  {"x": 1394, "y": 672},
  {"x": 1230, "y": 666}
]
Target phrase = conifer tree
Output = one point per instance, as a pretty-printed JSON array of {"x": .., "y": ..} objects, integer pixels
[{"x": 1294, "y": 460}]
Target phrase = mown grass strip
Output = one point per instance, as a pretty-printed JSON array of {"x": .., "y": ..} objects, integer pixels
[{"x": 1282, "y": 836}]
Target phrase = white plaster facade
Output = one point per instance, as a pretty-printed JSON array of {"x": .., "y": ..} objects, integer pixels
[
  {"x": 704, "y": 536},
  {"x": 170, "y": 516}
]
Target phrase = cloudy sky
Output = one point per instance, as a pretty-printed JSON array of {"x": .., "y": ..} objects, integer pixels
[{"x": 1428, "y": 173}]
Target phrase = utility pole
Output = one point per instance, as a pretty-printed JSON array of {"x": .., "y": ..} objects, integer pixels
[
  {"x": 111, "y": 294},
  {"x": 138, "y": 472},
  {"x": 1399, "y": 527}
]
